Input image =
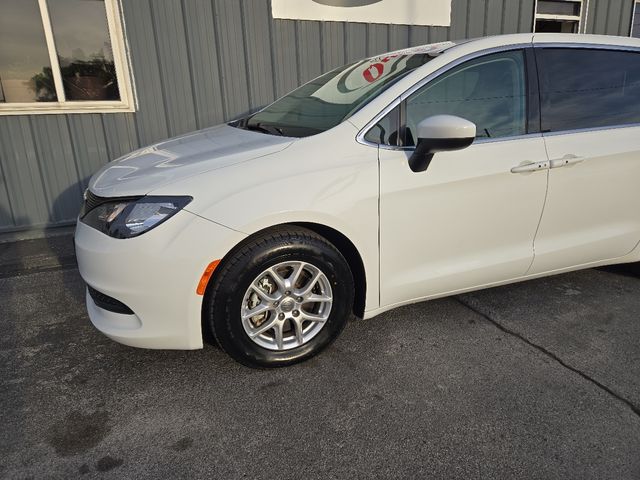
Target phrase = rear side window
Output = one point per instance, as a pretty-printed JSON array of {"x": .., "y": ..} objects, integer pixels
[{"x": 588, "y": 88}]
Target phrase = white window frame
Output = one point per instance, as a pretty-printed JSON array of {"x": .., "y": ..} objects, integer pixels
[
  {"x": 123, "y": 74},
  {"x": 636, "y": 8},
  {"x": 571, "y": 18}
]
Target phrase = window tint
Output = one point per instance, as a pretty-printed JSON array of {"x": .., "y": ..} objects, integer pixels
[
  {"x": 582, "y": 88},
  {"x": 385, "y": 132},
  {"x": 489, "y": 91}
]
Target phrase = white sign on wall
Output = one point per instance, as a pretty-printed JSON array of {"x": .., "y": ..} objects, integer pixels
[{"x": 401, "y": 12}]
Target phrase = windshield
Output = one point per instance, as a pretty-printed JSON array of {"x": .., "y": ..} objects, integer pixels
[{"x": 330, "y": 99}]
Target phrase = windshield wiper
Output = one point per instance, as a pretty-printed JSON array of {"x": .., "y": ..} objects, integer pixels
[{"x": 270, "y": 129}]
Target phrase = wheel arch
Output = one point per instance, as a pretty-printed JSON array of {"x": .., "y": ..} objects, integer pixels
[
  {"x": 351, "y": 254},
  {"x": 344, "y": 245}
]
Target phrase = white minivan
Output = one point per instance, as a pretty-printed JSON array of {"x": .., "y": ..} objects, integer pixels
[{"x": 404, "y": 177}]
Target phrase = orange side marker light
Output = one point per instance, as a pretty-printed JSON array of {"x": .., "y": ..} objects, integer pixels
[{"x": 206, "y": 276}]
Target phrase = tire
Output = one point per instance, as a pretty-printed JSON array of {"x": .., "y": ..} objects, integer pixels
[{"x": 232, "y": 297}]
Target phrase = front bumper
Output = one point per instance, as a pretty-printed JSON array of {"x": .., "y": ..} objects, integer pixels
[{"x": 156, "y": 276}]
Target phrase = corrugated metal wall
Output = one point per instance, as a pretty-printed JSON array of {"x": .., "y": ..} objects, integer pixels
[
  {"x": 610, "y": 17},
  {"x": 635, "y": 28},
  {"x": 200, "y": 62}
]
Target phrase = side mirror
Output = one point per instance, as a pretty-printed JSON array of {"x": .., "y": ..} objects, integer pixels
[{"x": 440, "y": 133}]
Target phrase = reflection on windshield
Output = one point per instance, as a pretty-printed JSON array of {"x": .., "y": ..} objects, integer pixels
[{"x": 328, "y": 100}]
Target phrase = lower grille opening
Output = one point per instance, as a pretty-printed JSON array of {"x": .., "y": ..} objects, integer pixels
[{"x": 108, "y": 303}]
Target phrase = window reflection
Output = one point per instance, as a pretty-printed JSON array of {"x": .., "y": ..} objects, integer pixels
[
  {"x": 385, "y": 132},
  {"x": 82, "y": 40},
  {"x": 489, "y": 91},
  {"x": 25, "y": 70},
  {"x": 589, "y": 88}
]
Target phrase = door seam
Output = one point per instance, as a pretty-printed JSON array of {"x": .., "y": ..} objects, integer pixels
[
  {"x": 379, "y": 231},
  {"x": 544, "y": 206}
]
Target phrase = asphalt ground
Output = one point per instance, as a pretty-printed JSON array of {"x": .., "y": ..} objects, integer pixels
[{"x": 534, "y": 380}]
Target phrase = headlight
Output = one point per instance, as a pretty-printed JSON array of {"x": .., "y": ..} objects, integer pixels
[{"x": 132, "y": 217}]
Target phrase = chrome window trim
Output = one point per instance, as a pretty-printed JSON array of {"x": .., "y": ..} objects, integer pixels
[
  {"x": 477, "y": 141},
  {"x": 506, "y": 139},
  {"x": 590, "y": 46},
  {"x": 592, "y": 129}
]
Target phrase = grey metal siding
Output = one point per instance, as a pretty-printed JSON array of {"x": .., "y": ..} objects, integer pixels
[
  {"x": 197, "y": 63},
  {"x": 610, "y": 17}
]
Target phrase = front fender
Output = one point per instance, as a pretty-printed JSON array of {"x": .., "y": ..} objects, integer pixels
[{"x": 306, "y": 183}]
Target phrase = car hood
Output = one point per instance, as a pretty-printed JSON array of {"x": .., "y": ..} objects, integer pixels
[{"x": 149, "y": 168}]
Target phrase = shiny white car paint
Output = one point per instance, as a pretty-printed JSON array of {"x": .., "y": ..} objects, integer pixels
[
  {"x": 466, "y": 223},
  {"x": 593, "y": 207},
  {"x": 312, "y": 181},
  {"x": 197, "y": 153},
  {"x": 472, "y": 220},
  {"x": 447, "y": 127},
  {"x": 156, "y": 275}
]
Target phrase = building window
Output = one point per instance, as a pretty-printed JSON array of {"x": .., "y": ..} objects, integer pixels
[
  {"x": 635, "y": 25},
  {"x": 62, "y": 56},
  {"x": 558, "y": 16}
]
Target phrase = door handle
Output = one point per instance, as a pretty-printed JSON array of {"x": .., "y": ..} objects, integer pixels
[
  {"x": 531, "y": 167},
  {"x": 566, "y": 160}
]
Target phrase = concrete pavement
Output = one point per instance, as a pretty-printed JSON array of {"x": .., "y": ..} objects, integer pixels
[{"x": 535, "y": 380}]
